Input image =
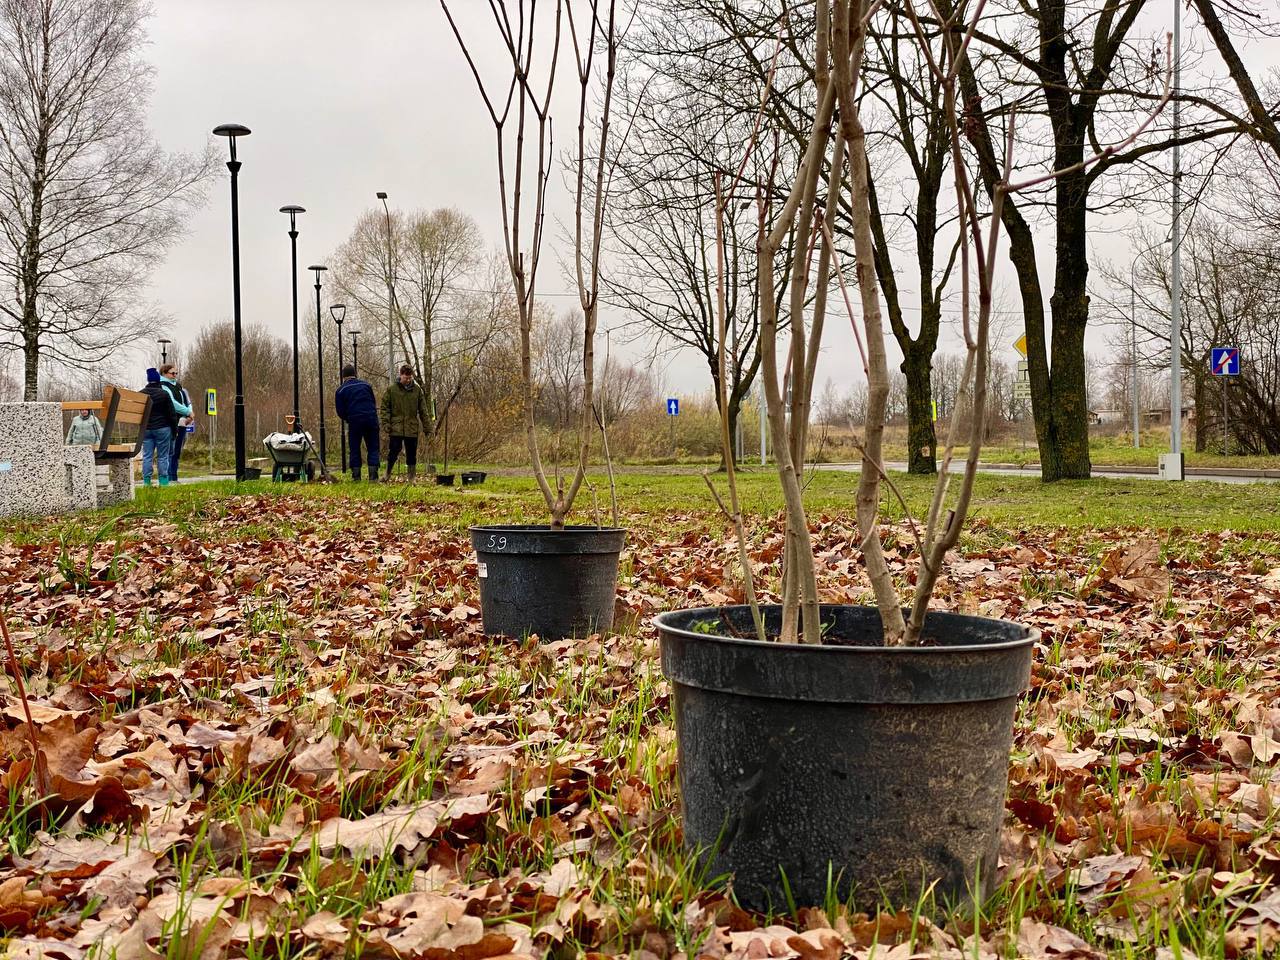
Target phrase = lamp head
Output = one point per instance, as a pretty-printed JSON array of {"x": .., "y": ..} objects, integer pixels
[
  {"x": 382, "y": 194},
  {"x": 293, "y": 210},
  {"x": 231, "y": 131},
  {"x": 317, "y": 268},
  {"x": 339, "y": 312}
]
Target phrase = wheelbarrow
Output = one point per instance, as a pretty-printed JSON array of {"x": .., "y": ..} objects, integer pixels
[{"x": 290, "y": 456}]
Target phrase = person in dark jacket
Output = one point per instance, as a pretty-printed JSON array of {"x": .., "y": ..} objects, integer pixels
[
  {"x": 157, "y": 437},
  {"x": 358, "y": 409},
  {"x": 404, "y": 416},
  {"x": 182, "y": 404}
]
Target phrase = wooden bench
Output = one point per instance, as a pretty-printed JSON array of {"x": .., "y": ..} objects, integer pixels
[{"x": 128, "y": 409}]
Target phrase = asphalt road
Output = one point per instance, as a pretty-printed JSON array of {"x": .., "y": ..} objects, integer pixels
[{"x": 1117, "y": 473}]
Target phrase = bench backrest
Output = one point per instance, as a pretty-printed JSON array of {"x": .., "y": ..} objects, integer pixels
[
  {"x": 129, "y": 409},
  {"x": 123, "y": 412}
]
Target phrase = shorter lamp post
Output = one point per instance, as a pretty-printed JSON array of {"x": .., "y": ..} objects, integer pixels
[
  {"x": 339, "y": 312},
  {"x": 164, "y": 349},
  {"x": 293, "y": 210},
  {"x": 324, "y": 445}
]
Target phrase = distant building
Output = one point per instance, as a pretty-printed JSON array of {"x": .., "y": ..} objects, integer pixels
[{"x": 1159, "y": 416}]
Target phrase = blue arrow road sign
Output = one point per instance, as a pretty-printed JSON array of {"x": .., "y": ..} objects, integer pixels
[
  {"x": 673, "y": 407},
  {"x": 1225, "y": 361}
]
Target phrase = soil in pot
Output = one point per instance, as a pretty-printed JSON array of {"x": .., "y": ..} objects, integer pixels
[
  {"x": 555, "y": 583},
  {"x": 877, "y": 771}
]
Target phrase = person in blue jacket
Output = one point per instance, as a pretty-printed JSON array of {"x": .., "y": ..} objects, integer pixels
[
  {"x": 181, "y": 404},
  {"x": 358, "y": 409}
]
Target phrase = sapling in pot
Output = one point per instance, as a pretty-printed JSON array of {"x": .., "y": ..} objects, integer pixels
[
  {"x": 551, "y": 579},
  {"x": 840, "y": 750}
]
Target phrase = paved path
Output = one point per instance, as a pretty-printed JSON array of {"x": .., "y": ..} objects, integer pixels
[{"x": 1216, "y": 475}]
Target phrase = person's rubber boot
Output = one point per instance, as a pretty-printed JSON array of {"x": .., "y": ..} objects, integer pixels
[
  {"x": 413, "y": 473},
  {"x": 355, "y": 476},
  {"x": 164, "y": 481}
]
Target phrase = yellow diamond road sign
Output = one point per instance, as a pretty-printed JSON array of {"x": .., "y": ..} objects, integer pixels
[{"x": 1021, "y": 345}]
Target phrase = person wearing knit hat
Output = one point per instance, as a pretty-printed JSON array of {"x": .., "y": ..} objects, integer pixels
[{"x": 157, "y": 438}]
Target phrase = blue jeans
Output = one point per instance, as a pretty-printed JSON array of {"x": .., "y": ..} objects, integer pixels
[
  {"x": 156, "y": 443},
  {"x": 179, "y": 438},
  {"x": 368, "y": 434}
]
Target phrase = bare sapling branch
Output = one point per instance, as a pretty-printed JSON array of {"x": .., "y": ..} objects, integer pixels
[
  {"x": 726, "y": 440},
  {"x": 979, "y": 240},
  {"x": 40, "y": 774},
  {"x": 532, "y": 120},
  {"x": 734, "y": 512},
  {"x": 848, "y": 41},
  {"x": 801, "y": 621},
  {"x": 586, "y": 40}
]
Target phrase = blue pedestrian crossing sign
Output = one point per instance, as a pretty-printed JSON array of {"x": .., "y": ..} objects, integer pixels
[
  {"x": 1225, "y": 361},
  {"x": 673, "y": 407}
]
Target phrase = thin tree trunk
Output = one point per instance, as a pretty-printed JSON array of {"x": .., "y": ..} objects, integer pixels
[{"x": 1201, "y": 413}]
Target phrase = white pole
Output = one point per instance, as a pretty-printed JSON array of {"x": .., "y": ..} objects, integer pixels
[
  {"x": 764, "y": 450},
  {"x": 1175, "y": 332},
  {"x": 1133, "y": 350}
]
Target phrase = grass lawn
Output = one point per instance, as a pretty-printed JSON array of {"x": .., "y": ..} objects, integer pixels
[{"x": 272, "y": 727}]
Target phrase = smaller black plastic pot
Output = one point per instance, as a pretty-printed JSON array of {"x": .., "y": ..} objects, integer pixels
[
  {"x": 848, "y": 767},
  {"x": 472, "y": 477},
  {"x": 555, "y": 583},
  {"x": 444, "y": 479}
]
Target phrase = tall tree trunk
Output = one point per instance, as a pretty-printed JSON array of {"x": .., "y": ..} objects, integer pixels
[
  {"x": 30, "y": 354},
  {"x": 917, "y": 352},
  {"x": 922, "y": 450},
  {"x": 1063, "y": 425},
  {"x": 1022, "y": 252}
]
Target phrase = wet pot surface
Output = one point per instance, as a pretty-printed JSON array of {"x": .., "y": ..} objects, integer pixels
[
  {"x": 875, "y": 770},
  {"x": 553, "y": 583}
]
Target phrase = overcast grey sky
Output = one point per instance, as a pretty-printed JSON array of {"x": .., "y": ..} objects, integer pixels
[{"x": 345, "y": 99}]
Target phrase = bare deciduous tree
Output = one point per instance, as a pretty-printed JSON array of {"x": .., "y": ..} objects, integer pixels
[
  {"x": 88, "y": 201},
  {"x": 520, "y": 109}
]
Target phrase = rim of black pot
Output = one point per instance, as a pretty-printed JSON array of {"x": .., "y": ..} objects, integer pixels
[
  {"x": 543, "y": 528},
  {"x": 1031, "y": 638}
]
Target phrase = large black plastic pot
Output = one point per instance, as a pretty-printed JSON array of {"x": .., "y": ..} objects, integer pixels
[
  {"x": 877, "y": 771},
  {"x": 555, "y": 583}
]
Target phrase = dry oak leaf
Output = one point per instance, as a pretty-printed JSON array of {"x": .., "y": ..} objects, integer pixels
[
  {"x": 438, "y": 928},
  {"x": 399, "y": 827},
  {"x": 1135, "y": 570},
  {"x": 120, "y": 884},
  {"x": 817, "y": 945},
  {"x": 1039, "y": 940}
]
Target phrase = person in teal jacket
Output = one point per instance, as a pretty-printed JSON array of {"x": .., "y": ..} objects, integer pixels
[{"x": 182, "y": 404}]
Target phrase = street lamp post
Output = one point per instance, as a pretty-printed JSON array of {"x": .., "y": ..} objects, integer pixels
[
  {"x": 231, "y": 131},
  {"x": 391, "y": 293},
  {"x": 339, "y": 312},
  {"x": 355, "y": 351},
  {"x": 324, "y": 447},
  {"x": 293, "y": 210},
  {"x": 164, "y": 349}
]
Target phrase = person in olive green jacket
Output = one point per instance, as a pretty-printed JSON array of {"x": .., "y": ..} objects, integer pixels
[{"x": 404, "y": 416}]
